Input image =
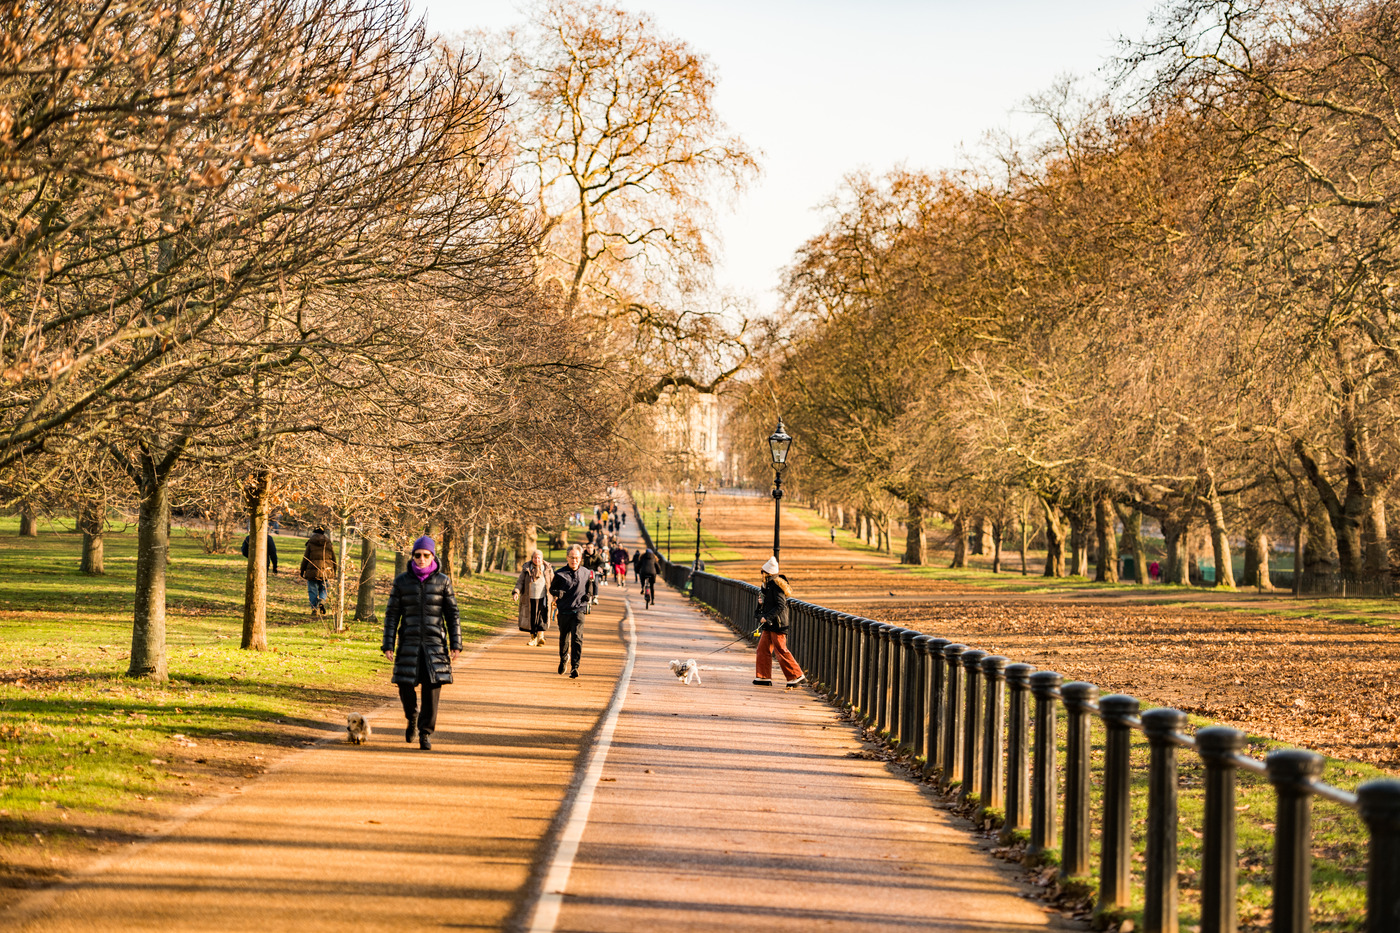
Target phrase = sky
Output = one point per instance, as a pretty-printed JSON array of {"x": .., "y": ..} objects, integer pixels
[{"x": 825, "y": 88}]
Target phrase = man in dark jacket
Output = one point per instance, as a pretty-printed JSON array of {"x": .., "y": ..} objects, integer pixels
[
  {"x": 422, "y": 619},
  {"x": 647, "y": 564},
  {"x": 572, "y": 589},
  {"x": 318, "y": 566},
  {"x": 271, "y": 552}
]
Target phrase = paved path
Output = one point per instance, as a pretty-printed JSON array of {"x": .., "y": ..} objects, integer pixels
[{"x": 554, "y": 804}]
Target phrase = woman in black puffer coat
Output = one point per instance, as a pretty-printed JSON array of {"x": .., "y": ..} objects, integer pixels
[{"x": 422, "y": 619}]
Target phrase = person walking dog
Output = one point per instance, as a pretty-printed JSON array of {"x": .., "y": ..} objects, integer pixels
[
  {"x": 773, "y": 622},
  {"x": 572, "y": 589},
  {"x": 317, "y": 567},
  {"x": 531, "y": 594},
  {"x": 422, "y": 636}
]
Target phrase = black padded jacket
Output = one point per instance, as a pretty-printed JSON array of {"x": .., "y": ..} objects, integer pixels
[
  {"x": 422, "y": 615},
  {"x": 772, "y": 608}
]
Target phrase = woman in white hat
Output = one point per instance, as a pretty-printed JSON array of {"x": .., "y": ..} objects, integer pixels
[{"x": 773, "y": 621}]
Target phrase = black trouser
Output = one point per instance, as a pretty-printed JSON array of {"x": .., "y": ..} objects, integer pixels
[
  {"x": 427, "y": 715},
  {"x": 570, "y": 637},
  {"x": 649, "y": 580}
]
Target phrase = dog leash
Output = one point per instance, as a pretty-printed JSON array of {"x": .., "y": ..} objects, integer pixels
[{"x": 730, "y": 645}]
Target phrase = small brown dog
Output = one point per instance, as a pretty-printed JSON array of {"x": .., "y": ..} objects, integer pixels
[{"x": 357, "y": 726}]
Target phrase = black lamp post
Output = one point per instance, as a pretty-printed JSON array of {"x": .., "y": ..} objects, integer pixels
[
  {"x": 670, "y": 510},
  {"x": 778, "y": 446},
  {"x": 656, "y": 529},
  {"x": 699, "y": 498}
]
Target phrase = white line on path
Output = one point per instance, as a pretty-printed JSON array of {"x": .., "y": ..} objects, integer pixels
[{"x": 562, "y": 863}]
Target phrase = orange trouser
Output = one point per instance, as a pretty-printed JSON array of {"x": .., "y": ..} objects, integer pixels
[{"x": 770, "y": 644}]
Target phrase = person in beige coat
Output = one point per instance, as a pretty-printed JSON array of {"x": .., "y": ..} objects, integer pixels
[{"x": 531, "y": 594}]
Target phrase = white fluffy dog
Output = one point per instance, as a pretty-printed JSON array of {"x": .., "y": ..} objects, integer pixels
[
  {"x": 357, "y": 726},
  {"x": 688, "y": 672}
]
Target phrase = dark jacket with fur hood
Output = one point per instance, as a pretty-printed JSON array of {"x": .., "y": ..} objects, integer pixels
[
  {"x": 773, "y": 608},
  {"x": 422, "y": 614}
]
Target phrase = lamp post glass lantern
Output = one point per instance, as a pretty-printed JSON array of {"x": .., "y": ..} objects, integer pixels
[
  {"x": 699, "y": 500},
  {"x": 779, "y": 443},
  {"x": 670, "y": 510}
]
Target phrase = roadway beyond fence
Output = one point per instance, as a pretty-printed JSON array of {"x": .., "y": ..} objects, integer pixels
[{"x": 624, "y": 800}]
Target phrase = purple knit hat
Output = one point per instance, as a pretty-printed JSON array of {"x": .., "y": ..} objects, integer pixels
[{"x": 424, "y": 543}]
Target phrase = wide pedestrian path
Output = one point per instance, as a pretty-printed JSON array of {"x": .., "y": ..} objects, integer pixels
[{"x": 624, "y": 800}]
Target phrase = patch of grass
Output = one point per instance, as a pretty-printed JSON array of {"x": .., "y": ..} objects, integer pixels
[{"x": 76, "y": 733}]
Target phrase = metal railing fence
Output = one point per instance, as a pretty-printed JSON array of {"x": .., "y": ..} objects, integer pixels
[{"x": 989, "y": 727}]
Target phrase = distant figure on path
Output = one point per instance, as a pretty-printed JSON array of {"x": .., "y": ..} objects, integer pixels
[
  {"x": 318, "y": 566},
  {"x": 531, "y": 593},
  {"x": 773, "y": 621},
  {"x": 572, "y": 589},
  {"x": 833, "y": 534},
  {"x": 422, "y": 621},
  {"x": 271, "y": 551}
]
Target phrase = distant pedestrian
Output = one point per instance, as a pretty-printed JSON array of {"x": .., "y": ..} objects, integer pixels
[
  {"x": 773, "y": 622},
  {"x": 531, "y": 593},
  {"x": 422, "y": 636},
  {"x": 271, "y": 552},
  {"x": 833, "y": 534},
  {"x": 572, "y": 589},
  {"x": 618, "y": 558},
  {"x": 1154, "y": 571},
  {"x": 318, "y": 566}
]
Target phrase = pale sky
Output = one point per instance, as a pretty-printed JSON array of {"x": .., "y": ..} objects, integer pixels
[{"x": 828, "y": 87}]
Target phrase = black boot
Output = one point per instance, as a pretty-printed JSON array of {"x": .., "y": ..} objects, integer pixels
[
  {"x": 410, "y": 732},
  {"x": 424, "y": 742}
]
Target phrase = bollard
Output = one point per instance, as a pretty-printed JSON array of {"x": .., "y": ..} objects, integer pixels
[
  {"x": 1159, "y": 881},
  {"x": 1018, "y": 759},
  {"x": 933, "y": 740},
  {"x": 1045, "y": 687},
  {"x": 1379, "y": 803},
  {"x": 993, "y": 729},
  {"x": 1118, "y": 713},
  {"x": 1292, "y": 772},
  {"x": 919, "y": 726},
  {"x": 1074, "y": 847},
  {"x": 952, "y": 715},
  {"x": 972, "y": 723},
  {"x": 882, "y": 677},
  {"x": 909, "y": 669},
  {"x": 1218, "y": 746}
]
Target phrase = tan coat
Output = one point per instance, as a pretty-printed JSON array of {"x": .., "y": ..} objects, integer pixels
[{"x": 522, "y": 588}]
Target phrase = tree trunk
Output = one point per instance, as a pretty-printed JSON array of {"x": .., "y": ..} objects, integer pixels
[
  {"x": 1105, "y": 529},
  {"x": 1300, "y": 539},
  {"x": 369, "y": 565},
  {"x": 1256, "y": 560},
  {"x": 469, "y": 551},
  {"x": 28, "y": 522},
  {"x": 1317, "y": 552},
  {"x": 485, "y": 546},
  {"x": 1219, "y": 535},
  {"x": 915, "y": 548},
  {"x": 1378, "y": 545},
  {"x": 1132, "y": 540},
  {"x": 998, "y": 529},
  {"x": 1078, "y": 542},
  {"x": 148, "y": 657},
  {"x": 977, "y": 543},
  {"x": 529, "y": 543},
  {"x": 400, "y": 562},
  {"x": 959, "y": 541},
  {"x": 1054, "y": 539},
  {"x": 447, "y": 551},
  {"x": 92, "y": 521},
  {"x": 1345, "y": 513},
  {"x": 255, "y": 498},
  {"x": 1177, "y": 569}
]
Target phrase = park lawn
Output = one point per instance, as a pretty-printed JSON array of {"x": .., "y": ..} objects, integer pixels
[
  {"x": 682, "y": 534},
  {"x": 84, "y": 746}
]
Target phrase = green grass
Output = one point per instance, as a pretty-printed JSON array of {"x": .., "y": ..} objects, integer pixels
[
  {"x": 76, "y": 733},
  {"x": 682, "y": 535}
]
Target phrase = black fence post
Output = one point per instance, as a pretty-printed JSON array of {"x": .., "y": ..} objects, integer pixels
[
  {"x": 896, "y": 687},
  {"x": 1045, "y": 687},
  {"x": 952, "y": 720},
  {"x": 919, "y": 726},
  {"x": 933, "y": 741},
  {"x": 870, "y": 665},
  {"x": 1159, "y": 883},
  {"x": 1116, "y": 847},
  {"x": 1292, "y": 772},
  {"x": 1379, "y": 803},
  {"x": 1018, "y": 758},
  {"x": 882, "y": 678},
  {"x": 843, "y": 654},
  {"x": 972, "y": 723},
  {"x": 993, "y": 728},
  {"x": 1218, "y": 746},
  {"x": 909, "y": 669},
  {"x": 1074, "y": 849}
]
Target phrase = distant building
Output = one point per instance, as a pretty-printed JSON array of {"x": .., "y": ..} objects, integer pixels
[{"x": 688, "y": 427}]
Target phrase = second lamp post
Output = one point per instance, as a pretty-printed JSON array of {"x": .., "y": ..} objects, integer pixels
[
  {"x": 699, "y": 498},
  {"x": 779, "y": 443}
]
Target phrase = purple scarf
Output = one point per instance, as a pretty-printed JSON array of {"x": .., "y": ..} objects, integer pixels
[{"x": 423, "y": 573}]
